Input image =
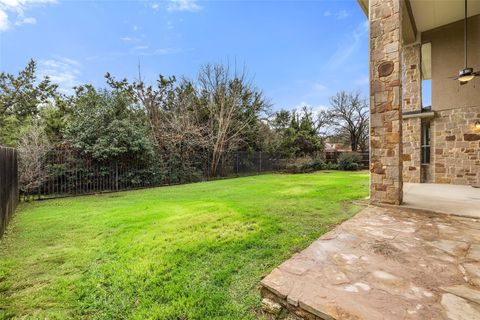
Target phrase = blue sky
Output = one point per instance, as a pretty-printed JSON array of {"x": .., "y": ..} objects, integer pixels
[{"x": 297, "y": 52}]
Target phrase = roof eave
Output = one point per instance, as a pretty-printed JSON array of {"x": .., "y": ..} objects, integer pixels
[{"x": 364, "y": 5}]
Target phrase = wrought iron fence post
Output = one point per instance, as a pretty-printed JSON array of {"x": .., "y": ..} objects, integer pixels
[
  {"x": 237, "y": 162},
  {"x": 260, "y": 161},
  {"x": 116, "y": 175}
]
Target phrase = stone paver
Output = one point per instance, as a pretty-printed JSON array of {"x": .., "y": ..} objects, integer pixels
[{"x": 385, "y": 263}]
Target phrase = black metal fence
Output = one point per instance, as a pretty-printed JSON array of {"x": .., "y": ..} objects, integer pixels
[
  {"x": 66, "y": 173},
  {"x": 8, "y": 186}
]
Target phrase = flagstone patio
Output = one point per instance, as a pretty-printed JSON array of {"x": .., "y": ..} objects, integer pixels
[{"x": 385, "y": 263}]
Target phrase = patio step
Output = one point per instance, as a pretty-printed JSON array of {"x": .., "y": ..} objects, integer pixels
[{"x": 385, "y": 263}]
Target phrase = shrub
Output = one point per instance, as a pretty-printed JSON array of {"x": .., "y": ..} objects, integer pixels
[
  {"x": 32, "y": 147},
  {"x": 349, "y": 161},
  {"x": 304, "y": 165},
  {"x": 330, "y": 166}
]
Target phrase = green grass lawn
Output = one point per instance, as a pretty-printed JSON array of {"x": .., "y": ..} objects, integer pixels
[{"x": 195, "y": 251}]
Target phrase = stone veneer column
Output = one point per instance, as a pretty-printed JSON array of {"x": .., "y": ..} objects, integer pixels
[
  {"x": 385, "y": 101},
  {"x": 412, "y": 101}
]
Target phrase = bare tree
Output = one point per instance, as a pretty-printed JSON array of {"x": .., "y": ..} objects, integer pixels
[
  {"x": 323, "y": 122},
  {"x": 178, "y": 131},
  {"x": 186, "y": 118},
  {"x": 154, "y": 100},
  {"x": 232, "y": 104},
  {"x": 32, "y": 147},
  {"x": 182, "y": 131},
  {"x": 350, "y": 115}
]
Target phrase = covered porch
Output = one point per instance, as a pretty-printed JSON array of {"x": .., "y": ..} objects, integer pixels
[
  {"x": 414, "y": 251},
  {"x": 458, "y": 200},
  {"x": 424, "y": 118}
]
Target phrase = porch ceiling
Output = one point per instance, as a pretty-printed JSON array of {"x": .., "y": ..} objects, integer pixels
[{"x": 430, "y": 14}]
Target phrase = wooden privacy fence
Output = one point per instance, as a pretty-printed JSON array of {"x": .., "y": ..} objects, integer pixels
[
  {"x": 8, "y": 186},
  {"x": 67, "y": 173}
]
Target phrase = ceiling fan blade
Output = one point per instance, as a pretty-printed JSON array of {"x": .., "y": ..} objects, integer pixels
[
  {"x": 463, "y": 82},
  {"x": 476, "y": 73}
]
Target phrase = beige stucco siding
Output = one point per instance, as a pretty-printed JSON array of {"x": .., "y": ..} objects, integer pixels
[{"x": 448, "y": 59}]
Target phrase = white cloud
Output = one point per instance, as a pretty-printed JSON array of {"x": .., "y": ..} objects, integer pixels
[
  {"x": 140, "y": 48},
  {"x": 161, "y": 52},
  {"x": 16, "y": 9},
  {"x": 131, "y": 39},
  {"x": 342, "y": 14},
  {"x": 21, "y": 4},
  {"x": 318, "y": 87},
  {"x": 26, "y": 20},
  {"x": 143, "y": 50},
  {"x": 136, "y": 28},
  {"x": 349, "y": 46},
  {"x": 62, "y": 71},
  {"x": 4, "y": 23},
  {"x": 183, "y": 5},
  {"x": 10, "y": 3},
  {"x": 316, "y": 91},
  {"x": 314, "y": 108},
  {"x": 155, "y": 6}
]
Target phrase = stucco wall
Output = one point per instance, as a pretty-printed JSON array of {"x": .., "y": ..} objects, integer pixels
[{"x": 448, "y": 58}]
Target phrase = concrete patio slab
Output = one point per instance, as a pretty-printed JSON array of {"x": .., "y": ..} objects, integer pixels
[
  {"x": 443, "y": 198},
  {"x": 385, "y": 263}
]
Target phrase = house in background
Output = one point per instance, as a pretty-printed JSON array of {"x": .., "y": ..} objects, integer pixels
[
  {"x": 336, "y": 146},
  {"x": 417, "y": 48}
]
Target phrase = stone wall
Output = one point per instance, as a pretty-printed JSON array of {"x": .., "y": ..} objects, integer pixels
[
  {"x": 385, "y": 17},
  {"x": 456, "y": 146},
  {"x": 412, "y": 81},
  {"x": 411, "y": 150},
  {"x": 412, "y": 101}
]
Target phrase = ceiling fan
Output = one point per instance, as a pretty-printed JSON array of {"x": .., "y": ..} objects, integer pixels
[{"x": 466, "y": 74}]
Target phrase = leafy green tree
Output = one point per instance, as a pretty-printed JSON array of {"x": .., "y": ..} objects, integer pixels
[
  {"x": 298, "y": 133},
  {"x": 176, "y": 123},
  {"x": 21, "y": 97},
  {"x": 103, "y": 124},
  {"x": 54, "y": 119}
]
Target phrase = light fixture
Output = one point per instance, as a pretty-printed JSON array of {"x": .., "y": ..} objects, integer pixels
[
  {"x": 477, "y": 125},
  {"x": 466, "y": 75}
]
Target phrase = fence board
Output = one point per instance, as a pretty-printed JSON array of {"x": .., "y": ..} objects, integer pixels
[{"x": 8, "y": 186}]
